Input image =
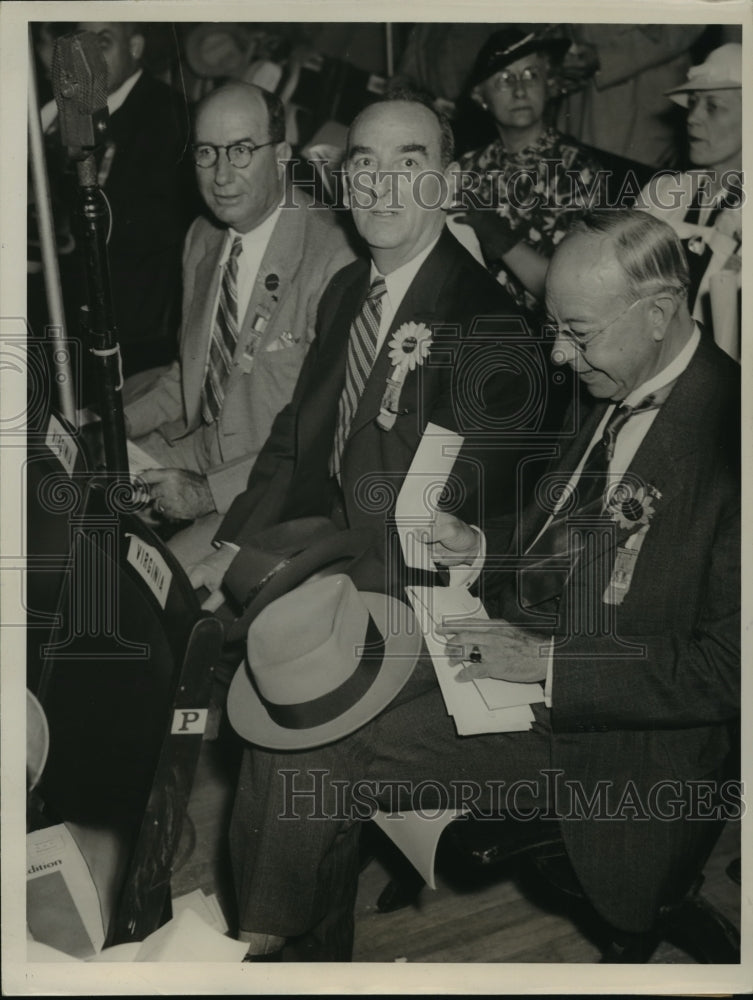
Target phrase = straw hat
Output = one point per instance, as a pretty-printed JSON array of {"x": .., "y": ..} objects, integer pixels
[
  {"x": 323, "y": 660},
  {"x": 722, "y": 70}
]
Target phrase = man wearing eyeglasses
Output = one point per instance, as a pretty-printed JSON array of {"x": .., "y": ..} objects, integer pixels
[
  {"x": 253, "y": 273},
  {"x": 633, "y": 627},
  {"x": 626, "y": 600}
]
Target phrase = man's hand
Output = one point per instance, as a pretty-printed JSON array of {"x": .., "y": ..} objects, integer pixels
[
  {"x": 507, "y": 652},
  {"x": 494, "y": 233},
  {"x": 451, "y": 541},
  {"x": 178, "y": 494},
  {"x": 210, "y": 572}
]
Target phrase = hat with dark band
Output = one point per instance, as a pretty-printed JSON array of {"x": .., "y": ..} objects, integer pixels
[
  {"x": 282, "y": 557},
  {"x": 507, "y": 46},
  {"x": 323, "y": 660}
]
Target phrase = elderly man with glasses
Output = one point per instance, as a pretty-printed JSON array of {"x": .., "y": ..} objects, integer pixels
[
  {"x": 621, "y": 596},
  {"x": 253, "y": 274}
]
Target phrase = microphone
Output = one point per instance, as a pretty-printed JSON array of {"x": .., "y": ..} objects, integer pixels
[{"x": 79, "y": 86}]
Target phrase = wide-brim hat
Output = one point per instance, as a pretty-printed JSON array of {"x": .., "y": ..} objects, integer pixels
[
  {"x": 507, "y": 46},
  {"x": 281, "y": 558},
  {"x": 322, "y": 661},
  {"x": 721, "y": 70}
]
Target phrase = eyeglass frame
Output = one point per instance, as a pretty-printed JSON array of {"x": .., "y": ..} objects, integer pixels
[
  {"x": 582, "y": 345},
  {"x": 246, "y": 143},
  {"x": 501, "y": 79}
]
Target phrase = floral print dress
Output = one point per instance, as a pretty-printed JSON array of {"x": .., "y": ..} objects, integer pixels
[{"x": 540, "y": 190}]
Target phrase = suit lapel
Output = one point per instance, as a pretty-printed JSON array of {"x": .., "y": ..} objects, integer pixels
[
  {"x": 419, "y": 305},
  {"x": 319, "y": 407},
  {"x": 671, "y": 438},
  {"x": 277, "y": 269},
  {"x": 198, "y": 324},
  {"x": 536, "y": 515}
]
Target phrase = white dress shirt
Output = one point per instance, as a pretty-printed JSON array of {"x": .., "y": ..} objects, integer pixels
[
  {"x": 398, "y": 282},
  {"x": 255, "y": 245},
  {"x": 49, "y": 112}
]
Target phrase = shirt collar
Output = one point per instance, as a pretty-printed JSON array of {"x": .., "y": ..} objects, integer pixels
[
  {"x": 257, "y": 237},
  {"x": 398, "y": 281},
  {"x": 117, "y": 98},
  {"x": 673, "y": 370}
]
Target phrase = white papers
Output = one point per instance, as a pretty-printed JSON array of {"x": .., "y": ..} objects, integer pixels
[
  {"x": 187, "y": 938},
  {"x": 482, "y": 706},
  {"x": 204, "y": 906},
  {"x": 423, "y": 484},
  {"x": 417, "y": 835},
  {"x": 63, "y": 908},
  {"x": 139, "y": 460},
  {"x": 195, "y": 934}
]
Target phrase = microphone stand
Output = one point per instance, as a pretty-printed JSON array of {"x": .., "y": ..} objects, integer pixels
[{"x": 97, "y": 318}]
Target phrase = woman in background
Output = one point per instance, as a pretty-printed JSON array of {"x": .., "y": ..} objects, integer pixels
[
  {"x": 528, "y": 186},
  {"x": 703, "y": 204}
]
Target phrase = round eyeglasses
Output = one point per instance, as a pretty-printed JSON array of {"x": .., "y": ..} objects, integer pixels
[
  {"x": 239, "y": 154},
  {"x": 510, "y": 81},
  {"x": 580, "y": 341}
]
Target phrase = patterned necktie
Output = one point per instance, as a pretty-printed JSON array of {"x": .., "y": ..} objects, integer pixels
[
  {"x": 224, "y": 338},
  {"x": 543, "y": 580},
  {"x": 361, "y": 353}
]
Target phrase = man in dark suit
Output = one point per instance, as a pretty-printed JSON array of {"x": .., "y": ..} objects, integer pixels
[
  {"x": 630, "y": 618},
  {"x": 149, "y": 187},
  {"x": 422, "y": 307}
]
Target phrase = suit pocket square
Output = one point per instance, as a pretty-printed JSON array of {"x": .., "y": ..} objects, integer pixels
[{"x": 283, "y": 342}]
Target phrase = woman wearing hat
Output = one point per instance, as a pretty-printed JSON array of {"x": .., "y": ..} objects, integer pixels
[
  {"x": 703, "y": 205},
  {"x": 526, "y": 184}
]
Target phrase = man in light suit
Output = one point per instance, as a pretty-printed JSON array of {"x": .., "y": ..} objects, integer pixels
[
  {"x": 633, "y": 627},
  {"x": 288, "y": 250},
  {"x": 315, "y": 462}
]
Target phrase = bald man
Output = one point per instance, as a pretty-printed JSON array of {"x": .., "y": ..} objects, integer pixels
[{"x": 252, "y": 276}]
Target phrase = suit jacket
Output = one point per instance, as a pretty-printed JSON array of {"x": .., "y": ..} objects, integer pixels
[
  {"x": 152, "y": 196},
  {"x": 307, "y": 246},
  {"x": 647, "y": 696},
  {"x": 460, "y": 386}
]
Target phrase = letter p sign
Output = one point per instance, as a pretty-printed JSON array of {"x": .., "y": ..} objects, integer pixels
[{"x": 189, "y": 721}]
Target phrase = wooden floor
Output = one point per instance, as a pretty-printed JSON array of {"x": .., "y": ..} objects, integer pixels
[{"x": 496, "y": 922}]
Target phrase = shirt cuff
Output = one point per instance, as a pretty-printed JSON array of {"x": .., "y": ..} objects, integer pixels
[{"x": 466, "y": 575}]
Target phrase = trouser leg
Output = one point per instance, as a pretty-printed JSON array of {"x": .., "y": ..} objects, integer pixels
[{"x": 294, "y": 832}]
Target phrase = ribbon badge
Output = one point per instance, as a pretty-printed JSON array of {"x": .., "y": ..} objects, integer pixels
[
  {"x": 409, "y": 348},
  {"x": 631, "y": 507}
]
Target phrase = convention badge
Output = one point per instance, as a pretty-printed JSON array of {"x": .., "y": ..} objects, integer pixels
[{"x": 408, "y": 348}]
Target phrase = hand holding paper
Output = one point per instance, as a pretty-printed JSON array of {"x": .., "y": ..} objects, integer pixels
[{"x": 451, "y": 542}]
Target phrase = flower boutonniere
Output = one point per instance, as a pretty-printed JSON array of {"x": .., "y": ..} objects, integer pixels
[
  {"x": 408, "y": 349},
  {"x": 631, "y": 506}
]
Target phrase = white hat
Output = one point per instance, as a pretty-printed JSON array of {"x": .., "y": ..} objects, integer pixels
[
  {"x": 323, "y": 660},
  {"x": 722, "y": 70}
]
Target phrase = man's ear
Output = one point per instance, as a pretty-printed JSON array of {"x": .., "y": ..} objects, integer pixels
[
  {"x": 136, "y": 46},
  {"x": 283, "y": 153},
  {"x": 663, "y": 308},
  {"x": 452, "y": 174}
]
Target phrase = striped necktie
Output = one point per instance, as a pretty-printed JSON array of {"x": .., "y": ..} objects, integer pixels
[
  {"x": 224, "y": 337},
  {"x": 362, "y": 342},
  {"x": 545, "y": 578}
]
